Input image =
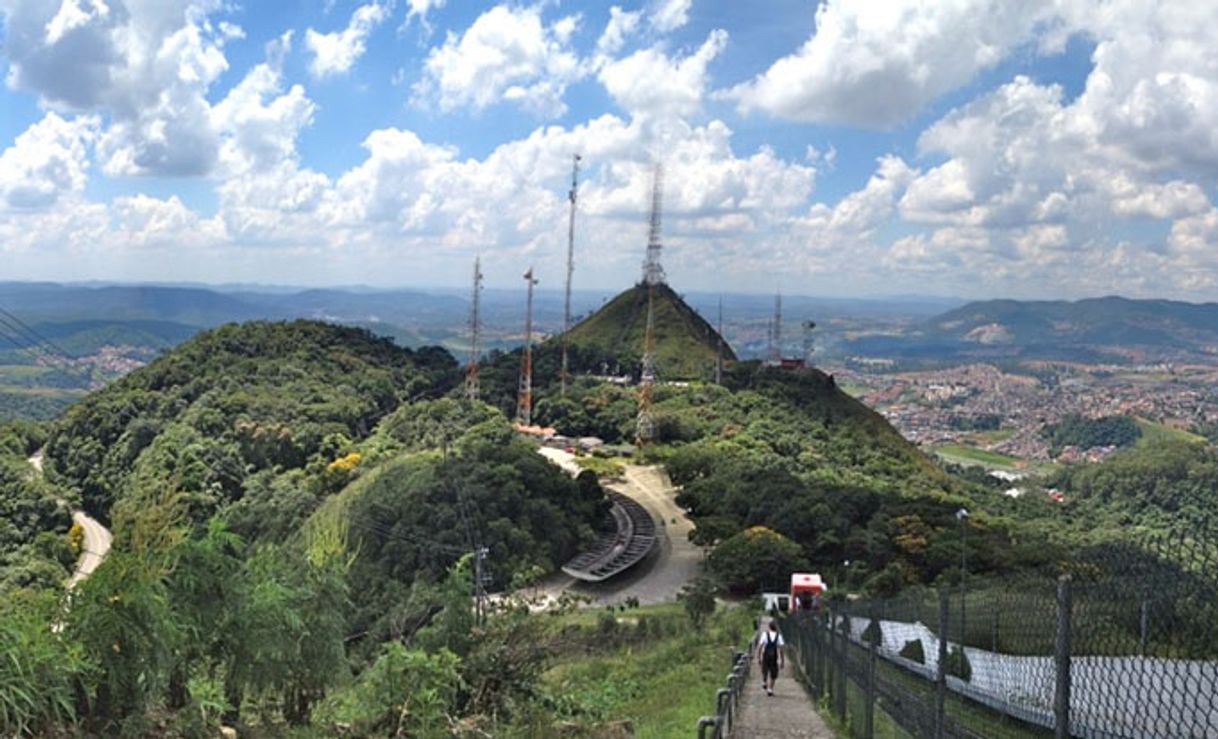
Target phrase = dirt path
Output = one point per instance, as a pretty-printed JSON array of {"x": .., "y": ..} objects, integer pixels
[
  {"x": 96, "y": 537},
  {"x": 788, "y": 714},
  {"x": 657, "y": 579}
]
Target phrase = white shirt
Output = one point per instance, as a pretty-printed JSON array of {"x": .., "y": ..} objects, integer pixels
[{"x": 769, "y": 637}]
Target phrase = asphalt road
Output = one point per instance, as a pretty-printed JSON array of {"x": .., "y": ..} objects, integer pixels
[{"x": 96, "y": 537}]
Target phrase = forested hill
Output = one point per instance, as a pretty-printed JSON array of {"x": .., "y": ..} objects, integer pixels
[
  {"x": 685, "y": 344},
  {"x": 1110, "y": 321},
  {"x": 235, "y": 399}
]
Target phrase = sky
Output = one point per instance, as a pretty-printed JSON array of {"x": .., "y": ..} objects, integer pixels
[{"x": 968, "y": 148}]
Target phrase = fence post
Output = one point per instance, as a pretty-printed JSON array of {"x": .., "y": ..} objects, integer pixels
[
  {"x": 994, "y": 635},
  {"x": 941, "y": 672},
  {"x": 818, "y": 654},
  {"x": 1144, "y": 627},
  {"x": 843, "y": 674},
  {"x": 869, "y": 705},
  {"x": 1061, "y": 658}
]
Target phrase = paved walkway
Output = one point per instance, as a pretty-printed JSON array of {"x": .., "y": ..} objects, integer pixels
[{"x": 788, "y": 714}]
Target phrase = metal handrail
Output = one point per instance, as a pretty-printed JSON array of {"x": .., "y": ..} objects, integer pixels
[{"x": 727, "y": 700}]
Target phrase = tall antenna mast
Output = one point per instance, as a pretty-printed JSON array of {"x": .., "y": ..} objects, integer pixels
[
  {"x": 653, "y": 273},
  {"x": 524, "y": 400},
  {"x": 475, "y": 329},
  {"x": 566, "y": 314},
  {"x": 645, "y": 432},
  {"x": 719, "y": 347}
]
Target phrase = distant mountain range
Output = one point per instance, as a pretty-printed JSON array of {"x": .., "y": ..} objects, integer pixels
[{"x": 1097, "y": 329}]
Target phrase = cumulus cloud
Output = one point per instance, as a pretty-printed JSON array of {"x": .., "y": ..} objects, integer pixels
[
  {"x": 147, "y": 65},
  {"x": 669, "y": 15},
  {"x": 650, "y": 83},
  {"x": 506, "y": 55},
  {"x": 876, "y": 64},
  {"x": 334, "y": 53},
  {"x": 46, "y": 162},
  {"x": 622, "y": 24}
]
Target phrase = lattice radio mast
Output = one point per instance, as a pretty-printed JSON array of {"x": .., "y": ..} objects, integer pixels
[
  {"x": 475, "y": 331},
  {"x": 646, "y": 427},
  {"x": 653, "y": 273},
  {"x": 524, "y": 400},
  {"x": 566, "y": 314}
]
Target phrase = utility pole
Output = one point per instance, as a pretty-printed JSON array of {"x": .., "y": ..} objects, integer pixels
[
  {"x": 524, "y": 399},
  {"x": 471, "y": 369},
  {"x": 566, "y": 315}
]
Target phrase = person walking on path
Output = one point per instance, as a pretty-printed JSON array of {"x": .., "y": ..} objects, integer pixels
[{"x": 770, "y": 655}]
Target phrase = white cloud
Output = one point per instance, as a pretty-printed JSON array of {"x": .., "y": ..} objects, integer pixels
[
  {"x": 46, "y": 162},
  {"x": 334, "y": 53},
  {"x": 877, "y": 63},
  {"x": 420, "y": 8},
  {"x": 650, "y": 83},
  {"x": 669, "y": 15},
  {"x": 143, "y": 221},
  {"x": 622, "y": 24},
  {"x": 147, "y": 65},
  {"x": 506, "y": 55}
]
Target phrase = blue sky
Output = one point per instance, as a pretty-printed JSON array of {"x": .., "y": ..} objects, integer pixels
[{"x": 966, "y": 148}]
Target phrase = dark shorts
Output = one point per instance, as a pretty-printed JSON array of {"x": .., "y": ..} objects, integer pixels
[{"x": 769, "y": 668}]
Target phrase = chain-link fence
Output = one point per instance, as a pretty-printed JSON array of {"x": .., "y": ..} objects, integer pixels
[{"x": 1123, "y": 643}]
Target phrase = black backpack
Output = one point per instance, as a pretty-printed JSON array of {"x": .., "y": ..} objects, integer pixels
[{"x": 771, "y": 646}]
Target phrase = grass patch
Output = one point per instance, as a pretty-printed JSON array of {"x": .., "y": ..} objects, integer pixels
[
  {"x": 961, "y": 454},
  {"x": 990, "y": 437},
  {"x": 662, "y": 685},
  {"x": 1152, "y": 432},
  {"x": 602, "y": 466}
]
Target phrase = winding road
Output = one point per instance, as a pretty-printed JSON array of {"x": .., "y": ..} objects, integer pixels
[
  {"x": 96, "y": 537},
  {"x": 657, "y": 579}
]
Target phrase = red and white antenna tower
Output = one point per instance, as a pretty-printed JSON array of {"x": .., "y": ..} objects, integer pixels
[
  {"x": 475, "y": 333},
  {"x": 524, "y": 399},
  {"x": 653, "y": 274},
  {"x": 566, "y": 314}
]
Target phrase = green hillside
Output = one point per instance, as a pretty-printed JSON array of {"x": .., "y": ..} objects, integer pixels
[{"x": 685, "y": 343}]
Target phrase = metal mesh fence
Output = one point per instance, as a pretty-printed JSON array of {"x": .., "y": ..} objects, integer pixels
[{"x": 1123, "y": 643}]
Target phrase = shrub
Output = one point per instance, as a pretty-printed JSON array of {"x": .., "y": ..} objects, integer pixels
[
  {"x": 872, "y": 634},
  {"x": 913, "y": 651},
  {"x": 957, "y": 664},
  {"x": 754, "y": 557}
]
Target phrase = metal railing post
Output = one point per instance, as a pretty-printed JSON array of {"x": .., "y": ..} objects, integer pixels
[
  {"x": 869, "y": 705},
  {"x": 843, "y": 657},
  {"x": 1061, "y": 659},
  {"x": 941, "y": 672}
]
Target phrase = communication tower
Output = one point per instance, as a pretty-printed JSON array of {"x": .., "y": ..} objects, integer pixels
[
  {"x": 653, "y": 272},
  {"x": 524, "y": 399},
  {"x": 475, "y": 330},
  {"x": 776, "y": 332},
  {"x": 566, "y": 314}
]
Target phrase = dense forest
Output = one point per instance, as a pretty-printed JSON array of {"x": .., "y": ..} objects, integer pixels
[
  {"x": 289, "y": 501},
  {"x": 1085, "y": 433}
]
